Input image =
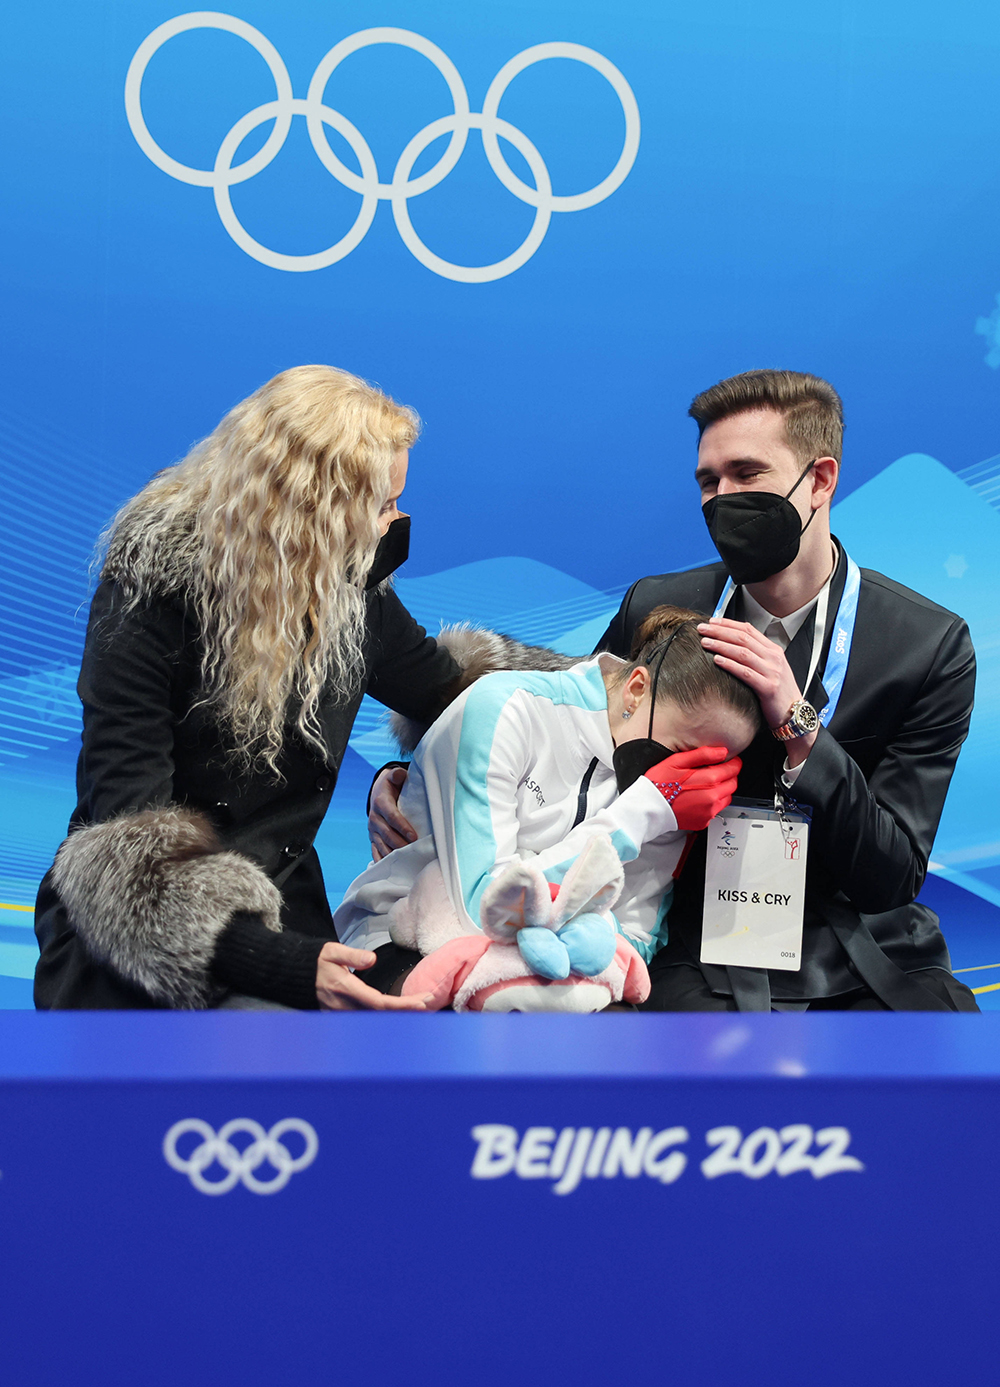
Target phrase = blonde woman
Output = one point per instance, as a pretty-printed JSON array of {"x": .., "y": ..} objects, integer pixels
[{"x": 241, "y": 614}]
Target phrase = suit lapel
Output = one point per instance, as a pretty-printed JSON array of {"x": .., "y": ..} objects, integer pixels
[
  {"x": 799, "y": 652},
  {"x": 798, "y": 655}
]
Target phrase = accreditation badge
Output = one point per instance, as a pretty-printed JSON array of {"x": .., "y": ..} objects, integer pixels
[{"x": 755, "y": 880}]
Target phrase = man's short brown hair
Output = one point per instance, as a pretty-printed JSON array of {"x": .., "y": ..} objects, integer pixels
[{"x": 813, "y": 413}]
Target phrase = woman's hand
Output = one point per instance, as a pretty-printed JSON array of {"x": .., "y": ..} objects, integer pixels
[
  {"x": 744, "y": 651},
  {"x": 387, "y": 828},
  {"x": 338, "y": 989},
  {"x": 696, "y": 784}
]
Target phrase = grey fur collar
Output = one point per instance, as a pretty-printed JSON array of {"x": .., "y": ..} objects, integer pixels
[
  {"x": 150, "y": 893},
  {"x": 478, "y": 652}
]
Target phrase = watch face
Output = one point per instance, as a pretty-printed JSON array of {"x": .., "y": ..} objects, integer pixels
[{"x": 805, "y": 717}]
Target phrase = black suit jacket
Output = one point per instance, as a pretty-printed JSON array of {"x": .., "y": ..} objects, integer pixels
[
  {"x": 148, "y": 742},
  {"x": 876, "y": 781}
]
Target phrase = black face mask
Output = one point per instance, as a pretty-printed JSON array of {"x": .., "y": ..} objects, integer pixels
[
  {"x": 393, "y": 550},
  {"x": 757, "y": 533},
  {"x": 633, "y": 759}
]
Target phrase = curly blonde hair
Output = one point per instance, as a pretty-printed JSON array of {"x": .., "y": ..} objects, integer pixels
[{"x": 268, "y": 528}]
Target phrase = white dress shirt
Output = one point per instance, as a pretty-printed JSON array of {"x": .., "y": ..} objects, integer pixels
[{"x": 780, "y": 629}]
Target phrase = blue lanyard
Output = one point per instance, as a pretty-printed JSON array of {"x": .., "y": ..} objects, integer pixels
[{"x": 840, "y": 644}]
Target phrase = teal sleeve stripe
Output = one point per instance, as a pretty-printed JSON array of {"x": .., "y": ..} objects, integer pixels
[
  {"x": 623, "y": 846},
  {"x": 644, "y": 950},
  {"x": 475, "y": 843},
  {"x": 660, "y": 929},
  {"x": 557, "y": 873},
  {"x": 621, "y": 843}
]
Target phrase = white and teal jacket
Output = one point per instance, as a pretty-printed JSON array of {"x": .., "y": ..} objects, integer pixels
[{"x": 520, "y": 765}]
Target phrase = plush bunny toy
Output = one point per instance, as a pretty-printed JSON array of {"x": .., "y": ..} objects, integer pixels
[{"x": 543, "y": 947}]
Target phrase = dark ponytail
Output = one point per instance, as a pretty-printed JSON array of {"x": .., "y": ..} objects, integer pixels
[{"x": 689, "y": 676}]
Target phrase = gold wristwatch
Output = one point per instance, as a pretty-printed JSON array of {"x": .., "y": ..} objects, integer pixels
[{"x": 802, "y": 720}]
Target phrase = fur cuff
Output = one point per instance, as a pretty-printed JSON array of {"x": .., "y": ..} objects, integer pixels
[
  {"x": 150, "y": 893},
  {"x": 478, "y": 652}
]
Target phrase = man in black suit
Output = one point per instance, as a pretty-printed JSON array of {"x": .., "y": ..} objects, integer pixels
[
  {"x": 871, "y": 756},
  {"x": 876, "y": 777}
]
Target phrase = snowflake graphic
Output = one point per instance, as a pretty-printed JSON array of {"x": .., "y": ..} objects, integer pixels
[{"x": 990, "y": 329}]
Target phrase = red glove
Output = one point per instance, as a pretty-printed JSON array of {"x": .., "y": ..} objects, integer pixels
[{"x": 696, "y": 784}]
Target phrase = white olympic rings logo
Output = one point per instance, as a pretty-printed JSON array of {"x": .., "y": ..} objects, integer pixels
[
  {"x": 402, "y": 187},
  {"x": 240, "y": 1165}
]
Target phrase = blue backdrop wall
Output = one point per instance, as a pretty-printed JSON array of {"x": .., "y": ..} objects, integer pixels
[{"x": 650, "y": 197}]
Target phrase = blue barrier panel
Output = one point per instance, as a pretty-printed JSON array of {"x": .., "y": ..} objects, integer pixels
[{"x": 702, "y": 1199}]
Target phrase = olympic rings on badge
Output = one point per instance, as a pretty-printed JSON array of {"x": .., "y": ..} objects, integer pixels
[
  {"x": 372, "y": 190},
  {"x": 264, "y": 1147}
]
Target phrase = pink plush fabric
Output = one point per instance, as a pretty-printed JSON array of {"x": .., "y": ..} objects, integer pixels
[
  {"x": 467, "y": 970},
  {"x": 447, "y": 974},
  {"x": 637, "y": 985},
  {"x": 443, "y": 971}
]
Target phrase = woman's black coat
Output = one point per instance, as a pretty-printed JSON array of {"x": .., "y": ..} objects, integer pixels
[{"x": 148, "y": 743}]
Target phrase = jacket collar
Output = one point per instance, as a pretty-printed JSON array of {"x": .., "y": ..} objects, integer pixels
[
  {"x": 799, "y": 651},
  {"x": 595, "y": 733}
]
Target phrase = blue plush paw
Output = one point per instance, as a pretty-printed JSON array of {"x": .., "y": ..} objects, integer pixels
[
  {"x": 543, "y": 952},
  {"x": 590, "y": 942}
]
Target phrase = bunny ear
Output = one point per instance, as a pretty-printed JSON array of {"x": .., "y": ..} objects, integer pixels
[
  {"x": 636, "y": 985},
  {"x": 443, "y": 972},
  {"x": 593, "y": 883},
  {"x": 519, "y": 896}
]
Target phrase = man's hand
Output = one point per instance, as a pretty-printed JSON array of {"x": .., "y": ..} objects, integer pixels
[
  {"x": 742, "y": 650},
  {"x": 387, "y": 829},
  {"x": 338, "y": 989}
]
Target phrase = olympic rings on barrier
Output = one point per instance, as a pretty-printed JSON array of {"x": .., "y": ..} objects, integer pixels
[
  {"x": 240, "y": 1165},
  {"x": 225, "y": 173}
]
